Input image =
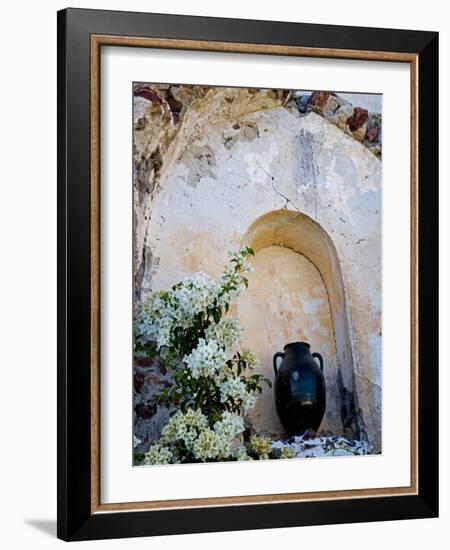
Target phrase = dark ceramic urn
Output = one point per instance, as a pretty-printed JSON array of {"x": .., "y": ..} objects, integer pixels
[{"x": 299, "y": 388}]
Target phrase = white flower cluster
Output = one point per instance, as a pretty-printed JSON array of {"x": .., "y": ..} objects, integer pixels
[
  {"x": 287, "y": 452},
  {"x": 165, "y": 310},
  {"x": 193, "y": 295},
  {"x": 240, "y": 453},
  {"x": 252, "y": 362},
  {"x": 240, "y": 260},
  {"x": 235, "y": 389},
  {"x": 232, "y": 280},
  {"x": 227, "y": 331},
  {"x": 261, "y": 446},
  {"x": 207, "y": 359},
  {"x": 184, "y": 427},
  {"x": 192, "y": 429},
  {"x": 207, "y": 446},
  {"x": 155, "y": 320},
  {"x": 230, "y": 425},
  {"x": 157, "y": 454}
]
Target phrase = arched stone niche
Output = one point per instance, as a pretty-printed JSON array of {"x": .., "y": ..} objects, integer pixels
[{"x": 318, "y": 265}]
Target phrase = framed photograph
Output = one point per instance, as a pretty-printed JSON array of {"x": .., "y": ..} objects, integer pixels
[{"x": 247, "y": 255}]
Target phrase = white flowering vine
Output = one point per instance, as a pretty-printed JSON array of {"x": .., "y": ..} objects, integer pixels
[{"x": 188, "y": 331}]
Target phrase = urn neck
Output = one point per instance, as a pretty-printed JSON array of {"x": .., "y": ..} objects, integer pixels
[{"x": 297, "y": 347}]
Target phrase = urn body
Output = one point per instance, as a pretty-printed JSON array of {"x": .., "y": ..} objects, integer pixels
[{"x": 299, "y": 388}]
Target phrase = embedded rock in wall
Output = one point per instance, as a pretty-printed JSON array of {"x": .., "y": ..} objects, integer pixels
[
  {"x": 230, "y": 158},
  {"x": 351, "y": 119}
]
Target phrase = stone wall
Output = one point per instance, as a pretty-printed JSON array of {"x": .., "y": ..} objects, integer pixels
[{"x": 218, "y": 168}]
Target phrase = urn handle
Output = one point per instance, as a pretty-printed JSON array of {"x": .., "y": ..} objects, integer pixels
[
  {"x": 320, "y": 358},
  {"x": 275, "y": 357}
]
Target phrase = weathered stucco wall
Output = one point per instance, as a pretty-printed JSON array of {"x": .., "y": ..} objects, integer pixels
[{"x": 232, "y": 156}]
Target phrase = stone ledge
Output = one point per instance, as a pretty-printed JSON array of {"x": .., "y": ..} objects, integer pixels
[
  {"x": 317, "y": 445},
  {"x": 356, "y": 122}
]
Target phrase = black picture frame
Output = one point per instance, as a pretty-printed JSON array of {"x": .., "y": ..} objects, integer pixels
[{"x": 76, "y": 521}]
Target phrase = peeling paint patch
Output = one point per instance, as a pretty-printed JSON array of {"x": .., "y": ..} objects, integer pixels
[
  {"x": 201, "y": 162},
  {"x": 240, "y": 132}
]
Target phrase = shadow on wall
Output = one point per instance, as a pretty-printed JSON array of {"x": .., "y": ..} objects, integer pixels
[{"x": 301, "y": 234}]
